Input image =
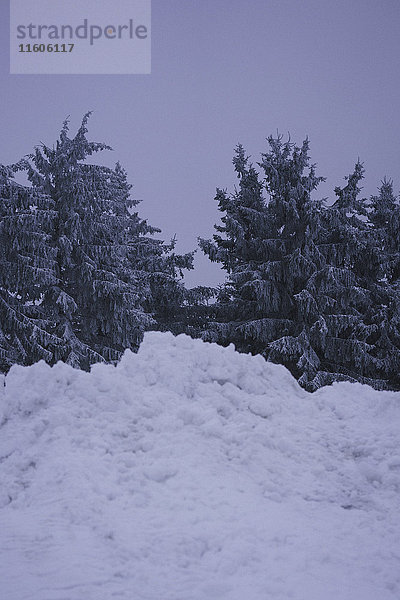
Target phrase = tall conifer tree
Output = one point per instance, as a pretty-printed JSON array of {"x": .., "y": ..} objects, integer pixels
[
  {"x": 303, "y": 285},
  {"x": 27, "y": 269},
  {"x": 95, "y": 273}
]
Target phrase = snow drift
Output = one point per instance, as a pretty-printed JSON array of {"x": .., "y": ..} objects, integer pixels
[{"x": 192, "y": 472}]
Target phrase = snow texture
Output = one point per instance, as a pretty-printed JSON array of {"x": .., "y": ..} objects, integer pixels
[{"x": 192, "y": 472}]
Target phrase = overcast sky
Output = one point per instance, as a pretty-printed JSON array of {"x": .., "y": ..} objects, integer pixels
[{"x": 223, "y": 72}]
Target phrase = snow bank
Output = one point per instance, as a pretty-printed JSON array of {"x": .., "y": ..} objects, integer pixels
[{"x": 191, "y": 472}]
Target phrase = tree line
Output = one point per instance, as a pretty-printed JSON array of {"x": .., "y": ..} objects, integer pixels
[{"x": 312, "y": 286}]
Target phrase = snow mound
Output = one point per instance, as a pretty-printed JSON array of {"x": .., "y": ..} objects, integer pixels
[{"x": 192, "y": 472}]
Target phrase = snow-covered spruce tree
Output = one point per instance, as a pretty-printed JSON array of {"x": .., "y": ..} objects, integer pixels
[
  {"x": 290, "y": 182},
  {"x": 269, "y": 252},
  {"x": 197, "y": 311},
  {"x": 240, "y": 246},
  {"x": 349, "y": 293},
  {"x": 105, "y": 256},
  {"x": 384, "y": 219},
  {"x": 160, "y": 272},
  {"x": 297, "y": 289},
  {"x": 27, "y": 269}
]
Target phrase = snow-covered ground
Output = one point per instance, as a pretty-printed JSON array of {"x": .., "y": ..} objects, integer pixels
[{"x": 191, "y": 472}]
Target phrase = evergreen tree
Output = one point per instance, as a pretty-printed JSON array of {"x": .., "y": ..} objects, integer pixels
[
  {"x": 303, "y": 283},
  {"x": 27, "y": 262},
  {"x": 97, "y": 276},
  {"x": 240, "y": 246},
  {"x": 166, "y": 293},
  {"x": 349, "y": 293},
  {"x": 198, "y": 310},
  {"x": 269, "y": 251},
  {"x": 93, "y": 302},
  {"x": 385, "y": 218}
]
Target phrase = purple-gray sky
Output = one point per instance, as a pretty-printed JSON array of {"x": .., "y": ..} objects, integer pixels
[{"x": 225, "y": 71}]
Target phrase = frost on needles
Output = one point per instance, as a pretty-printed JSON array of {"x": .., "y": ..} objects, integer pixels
[
  {"x": 310, "y": 286},
  {"x": 81, "y": 275}
]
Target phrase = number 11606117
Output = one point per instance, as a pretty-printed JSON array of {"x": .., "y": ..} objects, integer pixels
[{"x": 46, "y": 47}]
